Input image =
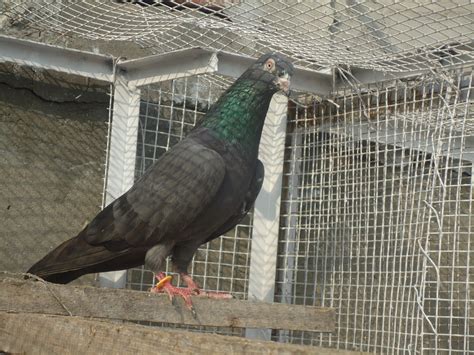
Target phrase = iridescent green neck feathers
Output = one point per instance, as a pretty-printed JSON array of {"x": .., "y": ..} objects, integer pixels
[{"x": 238, "y": 116}]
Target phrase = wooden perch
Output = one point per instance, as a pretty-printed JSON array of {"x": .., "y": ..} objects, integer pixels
[
  {"x": 46, "y": 334},
  {"x": 28, "y": 296}
]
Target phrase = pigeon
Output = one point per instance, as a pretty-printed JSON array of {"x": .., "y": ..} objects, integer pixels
[{"x": 195, "y": 192}]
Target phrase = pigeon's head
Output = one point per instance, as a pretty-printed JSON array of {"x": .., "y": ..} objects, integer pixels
[{"x": 274, "y": 69}]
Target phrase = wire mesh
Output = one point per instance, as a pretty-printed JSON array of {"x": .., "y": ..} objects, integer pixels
[
  {"x": 377, "y": 191},
  {"x": 376, "y": 216},
  {"x": 385, "y": 35},
  {"x": 53, "y": 135}
]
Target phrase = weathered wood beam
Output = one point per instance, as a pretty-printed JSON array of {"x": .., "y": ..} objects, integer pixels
[
  {"x": 27, "y": 296},
  {"x": 46, "y": 334}
]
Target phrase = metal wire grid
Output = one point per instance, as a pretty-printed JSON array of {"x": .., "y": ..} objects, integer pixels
[
  {"x": 383, "y": 35},
  {"x": 448, "y": 281},
  {"x": 376, "y": 216},
  {"x": 167, "y": 113},
  {"x": 348, "y": 240}
]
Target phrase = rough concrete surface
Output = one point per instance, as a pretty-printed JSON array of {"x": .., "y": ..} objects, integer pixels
[{"x": 53, "y": 136}]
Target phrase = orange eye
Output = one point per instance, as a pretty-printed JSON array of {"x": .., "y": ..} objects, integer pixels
[{"x": 269, "y": 64}]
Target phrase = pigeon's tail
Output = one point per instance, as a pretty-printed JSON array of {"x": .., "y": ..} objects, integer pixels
[{"x": 75, "y": 257}]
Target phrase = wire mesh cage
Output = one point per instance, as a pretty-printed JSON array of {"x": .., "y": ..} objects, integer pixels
[
  {"x": 376, "y": 196},
  {"x": 376, "y": 215}
]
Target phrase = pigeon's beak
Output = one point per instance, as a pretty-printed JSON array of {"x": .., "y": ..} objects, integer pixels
[{"x": 283, "y": 83}]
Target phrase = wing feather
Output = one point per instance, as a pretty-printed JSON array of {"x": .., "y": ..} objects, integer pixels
[{"x": 169, "y": 196}]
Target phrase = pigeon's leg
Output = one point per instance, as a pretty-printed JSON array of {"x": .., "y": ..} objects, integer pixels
[
  {"x": 182, "y": 255},
  {"x": 164, "y": 286},
  {"x": 155, "y": 260}
]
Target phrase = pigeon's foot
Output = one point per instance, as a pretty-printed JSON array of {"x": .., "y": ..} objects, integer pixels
[
  {"x": 164, "y": 285},
  {"x": 201, "y": 293},
  {"x": 192, "y": 289}
]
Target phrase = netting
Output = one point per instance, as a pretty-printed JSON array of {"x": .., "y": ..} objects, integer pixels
[
  {"x": 53, "y": 137},
  {"x": 376, "y": 217},
  {"x": 377, "y": 186},
  {"x": 385, "y": 35}
]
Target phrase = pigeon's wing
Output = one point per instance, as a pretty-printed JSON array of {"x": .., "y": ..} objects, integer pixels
[
  {"x": 164, "y": 201},
  {"x": 250, "y": 197},
  {"x": 183, "y": 253}
]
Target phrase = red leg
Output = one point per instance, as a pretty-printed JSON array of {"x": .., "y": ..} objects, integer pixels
[
  {"x": 192, "y": 289},
  {"x": 164, "y": 285}
]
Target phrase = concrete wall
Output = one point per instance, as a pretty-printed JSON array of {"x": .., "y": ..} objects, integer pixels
[{"x": 53, "y": 135}]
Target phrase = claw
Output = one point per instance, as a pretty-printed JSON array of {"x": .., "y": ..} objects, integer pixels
[{"x": 193, "y": 312}]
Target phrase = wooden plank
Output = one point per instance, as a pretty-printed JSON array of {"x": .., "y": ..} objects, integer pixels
[
  {"x": 27, "y": 296},
  {"x": 46, "y": 334}
]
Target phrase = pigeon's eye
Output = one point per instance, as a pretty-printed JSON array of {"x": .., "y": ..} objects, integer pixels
[{"x": 269, "y": 64}]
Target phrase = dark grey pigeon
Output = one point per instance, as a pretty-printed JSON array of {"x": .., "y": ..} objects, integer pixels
[{"x": 195, "y": 192}]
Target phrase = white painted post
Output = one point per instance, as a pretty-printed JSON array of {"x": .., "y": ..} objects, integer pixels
[
  {"x": 266, "y": 220},
  {"x": 122, "y": 156}
]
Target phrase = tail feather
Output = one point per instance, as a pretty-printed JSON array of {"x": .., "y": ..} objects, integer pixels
[{"x": 75, "y": 257}]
